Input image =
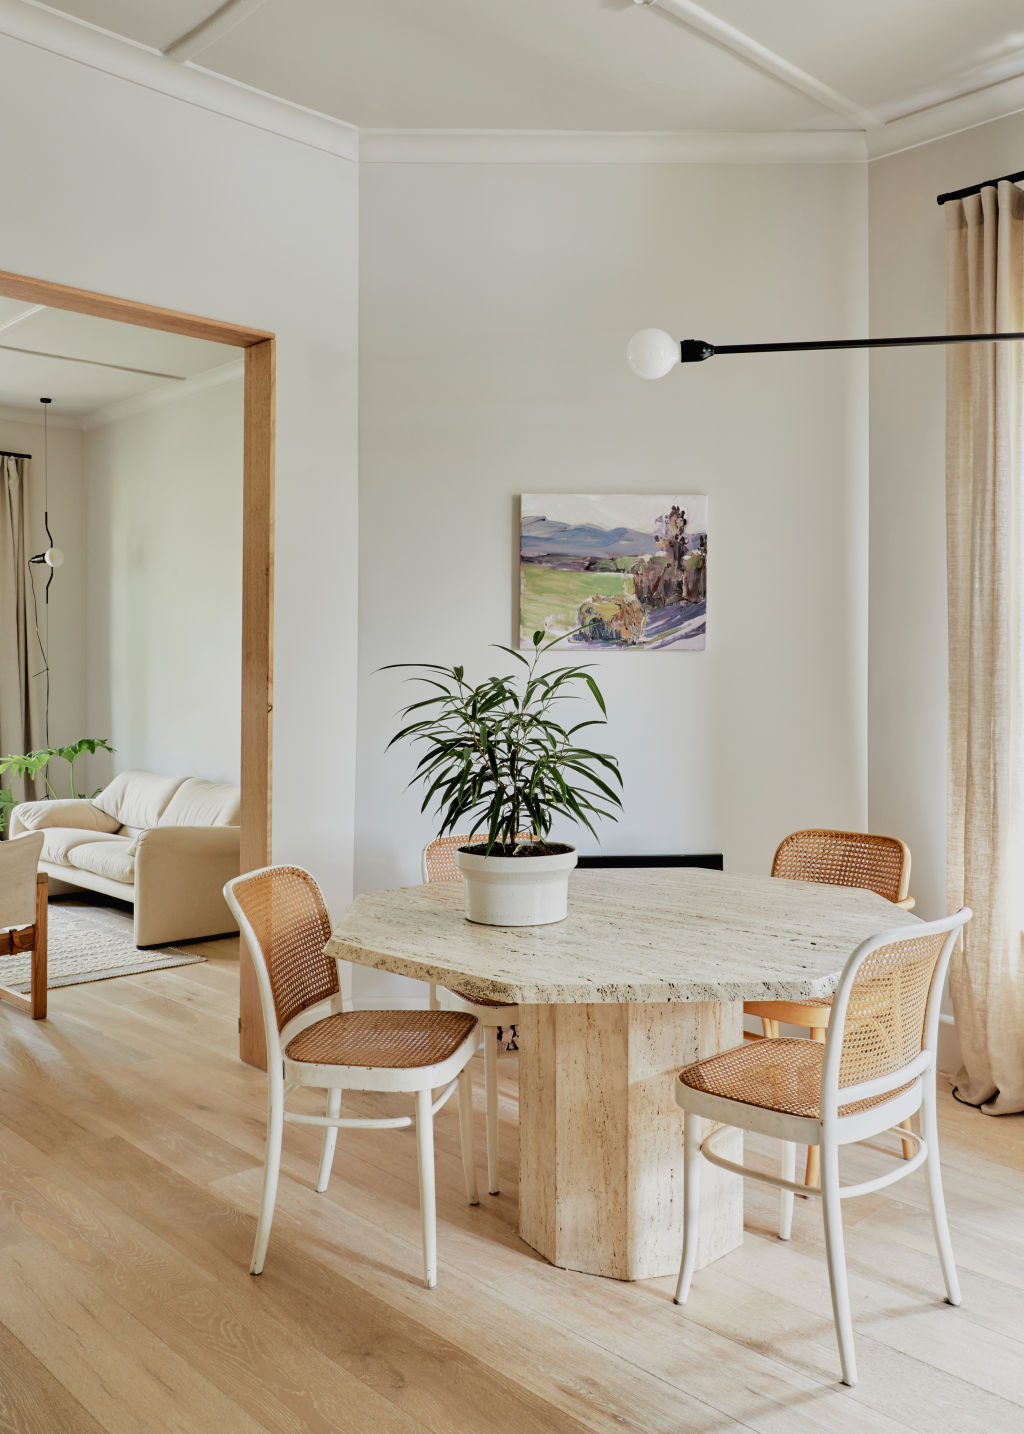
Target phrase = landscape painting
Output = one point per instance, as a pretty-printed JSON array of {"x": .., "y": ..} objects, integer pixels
[{"x": 618, "y": 571}]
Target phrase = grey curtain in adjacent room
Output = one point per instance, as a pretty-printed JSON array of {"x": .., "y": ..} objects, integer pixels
[
  {"x": 985, "y": 551},
  {"x": 22, "y": 702}
]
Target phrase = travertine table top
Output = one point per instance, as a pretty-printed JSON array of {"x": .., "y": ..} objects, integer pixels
[{"x": 680, "y": 934}]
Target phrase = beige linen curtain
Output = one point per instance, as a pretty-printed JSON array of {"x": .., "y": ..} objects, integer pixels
[
  {"x": 21, "y": 704},
  {"x": 985, "y": 552}
]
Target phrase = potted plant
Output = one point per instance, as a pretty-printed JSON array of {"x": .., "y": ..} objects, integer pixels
[
  {"x": 496, "y": 757},
  {"x": 35, "y": 764}
]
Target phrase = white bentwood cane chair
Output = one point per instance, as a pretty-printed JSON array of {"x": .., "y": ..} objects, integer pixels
[
  {"x": 313, "y": 1039},
  {"x": 876, "y": 1068},
  {"x": 439, "y": 865}
]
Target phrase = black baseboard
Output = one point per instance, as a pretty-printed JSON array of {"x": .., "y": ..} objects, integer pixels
[{"x": 710, "y": 861}]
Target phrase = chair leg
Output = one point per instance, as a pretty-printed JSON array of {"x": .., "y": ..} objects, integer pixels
[
  {"x": 812, "y": 1171},
  {"x": 936, "y": 1200},
  {"x": 425, "y": 1163},
  {"x": 788, "y": 1173},
  {"x": 271, "y": 1171},
  {"x": 835, "y": 1252},
  {"x": 491, "y": 1094},
  {"x": 908, "y": 1145},
  {"x": 691, "y": 1205},
  {"x": 37, "y": 1006},
  {"x": 466, "y": 1134},
  {"x": 323, "y": 1175}
]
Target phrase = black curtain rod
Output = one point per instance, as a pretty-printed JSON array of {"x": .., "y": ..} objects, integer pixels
[
  {"x": 977, "y": 188},
  {"x": 4, "y": 453}
]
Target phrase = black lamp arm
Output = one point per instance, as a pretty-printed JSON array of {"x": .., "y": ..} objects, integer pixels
[{"x": 695, "y": 350}]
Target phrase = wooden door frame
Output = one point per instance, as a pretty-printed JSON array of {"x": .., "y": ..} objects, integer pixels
[{"x": 257, "y": 567}]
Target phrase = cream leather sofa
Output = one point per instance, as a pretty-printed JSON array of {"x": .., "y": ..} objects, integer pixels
[{"x": 166, "y": 844}]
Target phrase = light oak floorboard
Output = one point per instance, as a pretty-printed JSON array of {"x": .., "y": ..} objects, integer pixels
[{"x": 131, "y": 1147}]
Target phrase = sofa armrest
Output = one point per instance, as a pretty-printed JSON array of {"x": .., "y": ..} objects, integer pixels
[
  {"x": 60, "y": 812},
  {"x": 200, "y": 843},
  {"x": 180, "y": 873}
]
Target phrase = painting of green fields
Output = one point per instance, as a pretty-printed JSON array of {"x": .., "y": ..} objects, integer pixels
[
  {"x": 550, "y": 598},
  {"x": 614, "y": 571}
]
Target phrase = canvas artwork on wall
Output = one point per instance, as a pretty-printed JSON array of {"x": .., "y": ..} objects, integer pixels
[{"x": 624, "y": 571}]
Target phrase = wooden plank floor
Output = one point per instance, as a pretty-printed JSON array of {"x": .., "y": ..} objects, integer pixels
[{"x": 130, "y": 1161}]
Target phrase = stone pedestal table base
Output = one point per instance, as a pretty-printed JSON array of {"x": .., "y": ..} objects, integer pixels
[{"x": 601, "y": 1136}]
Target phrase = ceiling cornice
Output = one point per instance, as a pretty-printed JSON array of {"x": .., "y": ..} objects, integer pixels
[
  {"x": 36, "y": 24},
  {"x": 951, "y": 117},
  {"x": 16, "y": 413},
  {"x": 394, "y": 146}
]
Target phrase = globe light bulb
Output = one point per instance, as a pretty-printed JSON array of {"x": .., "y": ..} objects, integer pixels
[
  {"x": 54, "y": 557},
  {"x": 652, "y": 353}
]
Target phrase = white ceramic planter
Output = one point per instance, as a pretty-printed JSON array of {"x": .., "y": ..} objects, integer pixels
[{"x": 516, "y": 890}]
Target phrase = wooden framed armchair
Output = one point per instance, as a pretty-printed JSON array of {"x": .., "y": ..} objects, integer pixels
[{"x": 23, "y": 894}]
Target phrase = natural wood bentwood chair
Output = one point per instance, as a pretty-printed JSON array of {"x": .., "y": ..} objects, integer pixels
[
  {"x": 877, "y": 863},
  {"x": 314, "y": 1040},
  {"x": 876, "y": 1068},
  {"x": 439, "y": 865},
  {"x": 23, "y": 917}
]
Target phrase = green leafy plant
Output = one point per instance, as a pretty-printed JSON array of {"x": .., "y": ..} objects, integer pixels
[
  {"x": 495, "y": 756},
  {"x": 35, "y": 764}
]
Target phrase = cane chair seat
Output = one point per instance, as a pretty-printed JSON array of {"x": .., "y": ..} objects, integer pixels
[
  {"x": 382, "y": 1040},
  {"x": 783, "y": 1074}
]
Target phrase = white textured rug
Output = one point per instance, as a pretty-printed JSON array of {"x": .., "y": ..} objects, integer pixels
[{"x": 91, "y": 944}]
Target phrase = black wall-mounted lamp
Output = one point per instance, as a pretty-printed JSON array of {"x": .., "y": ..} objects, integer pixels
[{"x": 652, "y": 353}]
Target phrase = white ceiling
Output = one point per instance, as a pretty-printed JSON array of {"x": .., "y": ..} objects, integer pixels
[
  {"x": 124, "y": 360},
  {"x": 587, "y": 64}
]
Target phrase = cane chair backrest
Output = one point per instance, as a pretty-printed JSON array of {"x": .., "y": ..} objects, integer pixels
[
  {"x": 439, "y": 858},
  {"x": 879, "y": 863},
  {"x": 19, "y": 862},
  {"x": 439, "y": 862},
  {"x": 289, "y": 922},
  {"x": 885, "y": 1011}
]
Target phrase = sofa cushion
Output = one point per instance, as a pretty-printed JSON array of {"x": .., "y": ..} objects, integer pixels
[
  {"x": 137, "y": 799},
  {"x": 113, "y": 858},
  {"x": 65, "y": 812},
  {"x": 58, "y": 842},
  {"x": 198, "y": 803}
]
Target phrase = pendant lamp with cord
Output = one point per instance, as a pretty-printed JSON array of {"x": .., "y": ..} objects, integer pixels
[{"x": 52, "y": 556}]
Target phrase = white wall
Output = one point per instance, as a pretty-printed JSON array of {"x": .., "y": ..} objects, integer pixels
[
  {"x": 496, "y": 301},
  {"x": 62, "y": 620},
  {"x": 114, "y": 187},
  {"x": 165, "y": 585}
]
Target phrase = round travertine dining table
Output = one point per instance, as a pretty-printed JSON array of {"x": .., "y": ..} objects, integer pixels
[{"x": 648, "y": 972}]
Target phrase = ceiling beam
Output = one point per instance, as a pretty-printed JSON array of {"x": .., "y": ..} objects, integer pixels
[
  {"x": 20, "y": 318},
  {"x": 202, "y": 36},
  {"x": 767, "y": 61},
  {"x": 93, "y": 363}
]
